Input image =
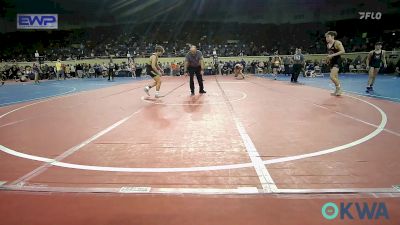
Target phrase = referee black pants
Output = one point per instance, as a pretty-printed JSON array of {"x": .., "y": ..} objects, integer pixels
[
  {"x": 296, "y": 72},
  {"x": 192, "y": 71},
  {"x": 110, "y": 74}
]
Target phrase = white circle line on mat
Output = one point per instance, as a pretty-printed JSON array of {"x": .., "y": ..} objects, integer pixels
[{"x": 53, "y": 162}]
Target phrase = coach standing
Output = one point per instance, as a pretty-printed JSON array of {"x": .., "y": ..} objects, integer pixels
[{"x": 194, "y": 64}]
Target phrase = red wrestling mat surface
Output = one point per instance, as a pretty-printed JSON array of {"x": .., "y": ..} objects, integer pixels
[{"x": 244, "y": 137}]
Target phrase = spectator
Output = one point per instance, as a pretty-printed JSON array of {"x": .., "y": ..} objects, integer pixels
[
  {"x": 111, "y": 67},
  {"x": 72, "y": 70},
  {"x": 59, "y": 70},
  {"x": 67, "y": 71},
  {"x": 36, "y": 71},
  {"x": 79, "y": 71}
]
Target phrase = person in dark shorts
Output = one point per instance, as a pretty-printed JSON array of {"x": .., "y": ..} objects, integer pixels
[
  {"x": 154, "y": 70},
  {"x": 335, "y": 49},
  {"x": 374, "y": 62},
  {"x": 194, "y": 64},
  {"x": 298, "y": 63}
]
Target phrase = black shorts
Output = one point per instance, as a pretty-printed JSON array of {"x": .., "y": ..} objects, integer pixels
[
  {"x": 375, "y": 65},
  {"x": 335, "y": 62},
  {"x": 334, "y": 66},
  {"x": 150, "y": 71}
]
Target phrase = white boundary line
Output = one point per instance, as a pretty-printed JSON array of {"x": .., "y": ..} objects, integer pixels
[
  {"x": 374, "y": 96},
  {"x": 70, "y": 151},
  {"x": 235, "y": 166},
  {"x": 62, "y": 95},
  {"x": 379, "y": 129},
  {"x": 264, "y": 176},
  {"x": 126, "y": 169},
  {"x": 366, "y": 95},
  {"x": 359, "y": 120},
  {"x": 12, "y": 123},
  {"x": 33, "y": 99},
  {"x": 376, "y": 192},
  {"x": 50, "y": 98}
]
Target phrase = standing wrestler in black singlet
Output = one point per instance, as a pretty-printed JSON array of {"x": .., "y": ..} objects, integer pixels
[
  {"x": 374, "y": 63},
  {"x": 154, "y": 71},
  {"x": 335, "y": 49}
]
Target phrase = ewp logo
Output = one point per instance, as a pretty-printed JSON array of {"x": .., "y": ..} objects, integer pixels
[
  {"x": 37, "y": 21},
  {"x": 363, "y": 211}
]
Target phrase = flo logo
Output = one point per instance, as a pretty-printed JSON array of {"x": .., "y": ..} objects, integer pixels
[
  {"x": 351, "y": 211},
  {"x": 370, "y": 15}
]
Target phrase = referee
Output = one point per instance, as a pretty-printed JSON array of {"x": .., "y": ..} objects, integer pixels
[
  {"x": 298, "y": 59},
  {"x": 194, "y": 64}
]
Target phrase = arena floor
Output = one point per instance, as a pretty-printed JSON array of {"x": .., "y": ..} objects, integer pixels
[{"x": 248, "y": 148}]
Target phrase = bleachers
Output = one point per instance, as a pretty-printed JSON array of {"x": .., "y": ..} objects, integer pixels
[{"x": 230, "y": 39}]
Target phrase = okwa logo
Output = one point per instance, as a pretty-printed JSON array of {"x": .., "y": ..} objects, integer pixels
[{"x": 353, "y": 211}]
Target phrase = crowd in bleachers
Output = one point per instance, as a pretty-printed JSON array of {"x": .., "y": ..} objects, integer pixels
[
  {"x": 139, "y": 41},
  {"x": 226, "y": 39},
  {"x": 131, "y": 69},
  {"x": 82, "y": 70}
]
